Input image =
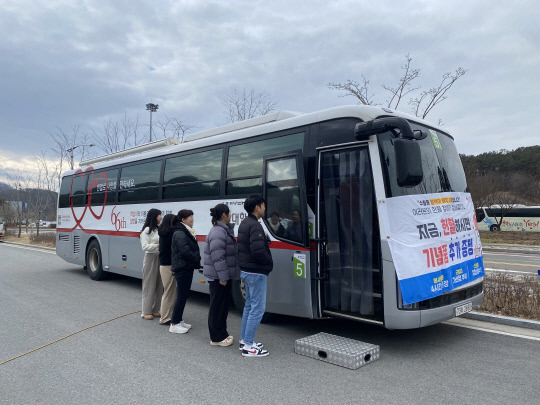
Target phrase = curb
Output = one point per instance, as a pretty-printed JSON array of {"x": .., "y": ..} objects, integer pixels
[
  {"x": 506, "y": 250},
  {"x": 502, "y": 320},
  {"x": 27, "y": 244}
]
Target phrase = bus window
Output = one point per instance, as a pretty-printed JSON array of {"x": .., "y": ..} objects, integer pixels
[
  {"x": 246, "y": 186},
  {"x": 246, "y": 161},
  {"x": 203, "y": 166},
  {"x": 195, "y": 175},
  {"x": 140, "y": 182},
  {"x": 283, "y": 209},
  {"x": 63, "y": 200},
  {"x": 105, "y": 185},
  {"x": 480, "y": 215},
  {"x": 78, "y": 190}
]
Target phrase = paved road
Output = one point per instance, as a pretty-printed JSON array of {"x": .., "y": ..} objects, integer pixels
[
  {"x": 516, "y": 263},
  {"x": 129, "y": 360}
]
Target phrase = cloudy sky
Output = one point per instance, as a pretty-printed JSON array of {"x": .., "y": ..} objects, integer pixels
[{"x": 69, "y": 63}]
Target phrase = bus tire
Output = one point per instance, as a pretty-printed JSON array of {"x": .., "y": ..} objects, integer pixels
[
  {"x": 494, "y": 228},
  {"x": 239, "y": 299},
  {"x": 94, "y": 262}
]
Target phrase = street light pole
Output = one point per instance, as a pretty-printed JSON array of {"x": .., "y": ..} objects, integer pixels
[
  {"x": 152, "y": 108},
  {"x": 73, "y": 147}
]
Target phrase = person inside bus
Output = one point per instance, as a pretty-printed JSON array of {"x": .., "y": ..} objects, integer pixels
[
  {"x": 294, "y": 230},
  {"x": 256, "y": 263},
  {"x": 220, "y": 268},
  {"x": 169, "y": 283},
  {"x": 185, "y": 259},
  {"x": 275, "y": 225},
  {"x": 152, "y": 288}
]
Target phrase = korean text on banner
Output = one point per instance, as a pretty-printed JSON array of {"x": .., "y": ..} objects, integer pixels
[{"x": 434, "y": 242}]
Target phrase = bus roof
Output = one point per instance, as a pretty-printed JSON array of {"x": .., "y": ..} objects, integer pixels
[{"x": 273, "y": 122}]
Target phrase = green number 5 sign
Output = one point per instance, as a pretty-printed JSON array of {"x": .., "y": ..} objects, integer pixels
[{"x": 299, "y": 261}]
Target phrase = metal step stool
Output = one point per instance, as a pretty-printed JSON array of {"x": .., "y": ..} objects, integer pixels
[{"x": 337, "y": 350}]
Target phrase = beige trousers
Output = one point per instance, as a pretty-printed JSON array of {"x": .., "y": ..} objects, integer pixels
[
  {"x": 152, "y": 288},
  {"x": 169, "y": 293}
]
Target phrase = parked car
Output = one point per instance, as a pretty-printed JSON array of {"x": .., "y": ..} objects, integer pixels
[{"x": 1, "y": 229}]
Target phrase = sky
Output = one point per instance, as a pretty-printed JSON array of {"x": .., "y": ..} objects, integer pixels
[{"x": 69, "y": 64}]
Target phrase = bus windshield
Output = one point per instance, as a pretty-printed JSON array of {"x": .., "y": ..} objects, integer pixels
[{"x": 440, "y": 161}]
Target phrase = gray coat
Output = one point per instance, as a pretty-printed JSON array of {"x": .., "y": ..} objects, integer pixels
[{"x": 220, "y": 253}]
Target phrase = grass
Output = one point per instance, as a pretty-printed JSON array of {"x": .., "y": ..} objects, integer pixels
[
  {"x": 46, "y": 239},
  {"x": 515, "y": 296},
  {"x": 509, "y": 237}
]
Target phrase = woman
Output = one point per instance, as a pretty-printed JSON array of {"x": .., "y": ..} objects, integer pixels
[
  {"x": 185, "y": 258},
  {"x": 220, "y": 267},
  {"x": 152, "y": 289},
  {"x": 169, "y": 283}
]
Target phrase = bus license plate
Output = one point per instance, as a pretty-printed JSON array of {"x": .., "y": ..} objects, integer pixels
[{"x": 464, "y": 308}]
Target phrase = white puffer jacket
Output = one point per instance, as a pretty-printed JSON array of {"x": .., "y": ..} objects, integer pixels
[{"x": 150, "y": 241}]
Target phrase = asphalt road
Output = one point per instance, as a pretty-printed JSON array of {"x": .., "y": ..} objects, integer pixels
[
  {"x": 130, "y": 360},
  {"x": 516, "y": 263}
]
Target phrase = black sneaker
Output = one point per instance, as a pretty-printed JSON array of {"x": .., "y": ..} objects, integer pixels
[
  {"x": 254, "y": 352},
  {"x": 258, "y": 345}
]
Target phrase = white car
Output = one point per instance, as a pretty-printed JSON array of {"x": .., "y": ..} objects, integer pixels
[{"x": 1, "y": 229}]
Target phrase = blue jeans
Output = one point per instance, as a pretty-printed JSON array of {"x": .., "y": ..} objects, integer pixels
[{"x": 255, "y": 305}]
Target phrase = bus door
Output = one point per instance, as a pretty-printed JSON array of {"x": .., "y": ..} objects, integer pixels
[
  {"x": 347, "y": 230},
  {"x": 289, "y": 286}
]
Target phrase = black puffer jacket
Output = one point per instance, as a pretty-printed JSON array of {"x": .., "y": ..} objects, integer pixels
[
  {"x": 165, "y": 248},
  {"x": 185, "y": 250},
  {"x": 253, "y": 251}
]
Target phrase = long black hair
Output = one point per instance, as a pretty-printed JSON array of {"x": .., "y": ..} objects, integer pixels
[
  {"x": 165, "y": 227},
  {"x": 217, "y": 212},
  {"x": 151, "y": 220}
]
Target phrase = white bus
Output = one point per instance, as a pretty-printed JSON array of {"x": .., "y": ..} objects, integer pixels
[
  {"x": 520, "y": 219},
  {"x": 357, "y": 187}
]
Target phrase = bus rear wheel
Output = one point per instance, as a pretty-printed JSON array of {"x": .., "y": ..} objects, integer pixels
[
  {"x": 494, "y": 228},
  {"x": 239, "y": 299},
  {"x": 94, "y": 262}
]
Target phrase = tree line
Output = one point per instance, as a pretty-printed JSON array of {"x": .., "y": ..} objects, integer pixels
[{"x": 504, "y": 178}]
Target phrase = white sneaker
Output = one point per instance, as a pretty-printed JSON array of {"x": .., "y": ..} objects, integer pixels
[
  {"x": 185, "y": 325},
  {"x": 253, "y": 351},
  {"x": 255, "y": 344},
  {"x": 178, "y": 328}
]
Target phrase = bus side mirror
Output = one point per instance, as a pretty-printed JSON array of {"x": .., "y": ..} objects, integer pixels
[{"x": 408, "y": 162}]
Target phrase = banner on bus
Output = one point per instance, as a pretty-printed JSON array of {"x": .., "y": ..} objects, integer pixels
[{"x": 434, "y": 242}]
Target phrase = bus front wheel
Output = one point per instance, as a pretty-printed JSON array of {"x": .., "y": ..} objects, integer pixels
[
  {"x": 494, "y": 228},
  {"x": 94, "y": 263}
]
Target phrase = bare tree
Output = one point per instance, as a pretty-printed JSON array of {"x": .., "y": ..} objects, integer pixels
[
  {"x": 69, "y": 144},
  {"x": 428, "y": 99},
  {"x": 421, "y": 105},
  {"x": 179, "y": 128},
  {"x": 354, "y": 89},
  {"x": 403, "y": 88},
  {"x": 46, "y": 182},
  {"x": 19, "y": 183},
  {"x": 242, "y": 105}
]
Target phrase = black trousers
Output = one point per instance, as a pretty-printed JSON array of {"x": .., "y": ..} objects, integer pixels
[
  {"x": 183, "y": 286},
  {"x": 220, "y": 300}
]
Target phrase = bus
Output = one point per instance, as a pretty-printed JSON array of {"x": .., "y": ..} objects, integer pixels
[
  {"x": 517, "y": 218},
  {"x": 379, "y": 225}
]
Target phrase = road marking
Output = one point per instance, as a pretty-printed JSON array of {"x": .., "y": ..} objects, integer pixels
[
  {"x": 498, "y": 332},
  {"x": 514, "y": 264},
  {"x": 508, "y": 271},
  {"x": 511, "y": 255},
  {"x": 29, "y": 248},
  {"x": 65, "y": 337}
]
